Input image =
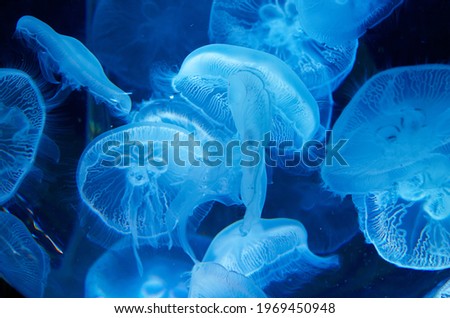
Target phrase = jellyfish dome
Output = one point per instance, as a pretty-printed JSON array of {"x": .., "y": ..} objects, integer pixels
[
  {"x": 148, "y": 31},
  {"x": 164, "y": 275},
  {"x": 129, "y": 175},
  {"x": 211, "y": 280},
  {"x": 274, "y": 27},
  {"x": 204, "y": 80},
  {"x": 336, "y": 22},
  {"x": 274, "y": 250},
  {"x": 78, "y": 68},
  {"x": 409, "y": 224},
  {"x": 22, "y": 119},
  {"x": 394, "y": 129},
  {"x": 23, "y": 263}
]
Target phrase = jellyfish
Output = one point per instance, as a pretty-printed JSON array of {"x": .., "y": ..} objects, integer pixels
[
  {"x": 336, "y": 22},
  {"x": 274, "y": 27},
  {"x": 255, "y": 95},
  {"x": 274, "y": 250},
  {"x": 393, "y": 129},
  {"x": 23, "y": 263},
  {"x": 211, "y": 280},
  {"x": 409, "y": 224},
  {"x": 65, "y": 57},
  {"x": 149, "y": 31},
  {"x": 204, "y": 79},
  {"x": 141, "y": 181},
  {"x": 22, "y": 119},
  {"x": 164, "y": 275}
]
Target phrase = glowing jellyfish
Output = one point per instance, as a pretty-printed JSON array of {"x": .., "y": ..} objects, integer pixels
[
  {"x": 409, "y": 225},
  {"x": 66, "y": 57},
  {"x": 391, "y": 131},
  {"x": 275, "y": 250},
  {"x": 143, "y": 182},
  {"x": 164, "y": 276},
  {"x": 274, "y": 27},
  {"x": 336, "y": 22},
  {"x": 148, "y": 31},
  {"x": 210, "y": 280},
  {"x": 204, "y": 79},
  {"x": 23, "y": 263},
  {"x": 22, "y": 118}
]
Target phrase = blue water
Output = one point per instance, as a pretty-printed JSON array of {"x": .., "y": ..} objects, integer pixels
[{"x": 339, "y": 235}]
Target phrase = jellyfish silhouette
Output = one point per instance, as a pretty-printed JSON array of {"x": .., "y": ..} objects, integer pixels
[
  {"x": 66, "y": 57},
  {"x": 274, "y": 250},
  {"x": 148, "y": 31},
  {"x": 336, "y": 22},
  {"x": 273, "y": 26},
  {"x": 164, "y": 275},
  {"x": 204, "y": 79},
  {"x": 210, "y": 280},
  {"x": 23, "y": 263},
  {"x": 22, "y": 119},
  {"x": 391, "y": 130}
]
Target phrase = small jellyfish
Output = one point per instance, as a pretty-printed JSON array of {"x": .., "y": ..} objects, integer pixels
[
  {"x": 210, "y": 280},
  {"x": 164, "y": 275},
  {"x": 22, "y": 119},
  {"x": 204, "y": 80},
  {"x": 66, "y": 57},
  {"x": 23, "y": 263},
  {"x": 274, "y": 27},
  {"x": 274, "y": 250},
  {"x": 336, "y": 22},
  {"x": 390, "y": 131},
  {"x": 147, "y": 31}
]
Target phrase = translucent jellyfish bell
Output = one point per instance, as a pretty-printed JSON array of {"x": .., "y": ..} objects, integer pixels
[
  {"x": 274, "y": 27},
  {"x": 129, "y": 176},
  {"x": 409, "y": 224},
  {"x": 336, "y": 22},
  {"x": 23, "y": 263},
  {"x": 147, "y": 31},
  {"x": 164, "y": 275},
  {"x": 73, "y": 62},
  {"x": 391, "y": 131},
  {"x": 211, "y": 280},
  {"x": 275, "y": 250},
  {"x": 204, "y": 76},
  {"x": 22, "y": 119}
]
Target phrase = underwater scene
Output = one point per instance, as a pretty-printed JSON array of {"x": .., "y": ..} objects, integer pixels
[{"x": 225, "y": 148}]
